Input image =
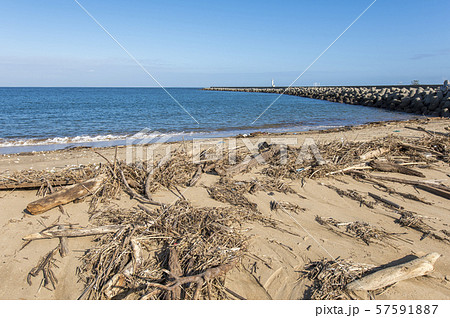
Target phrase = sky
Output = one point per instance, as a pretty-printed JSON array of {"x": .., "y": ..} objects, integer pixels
[{"x": 223, "y": 43}]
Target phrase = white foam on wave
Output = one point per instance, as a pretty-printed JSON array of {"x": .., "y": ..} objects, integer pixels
[
  {"x": 145, "y": 135},
  {"x": 83, "y": 139}
]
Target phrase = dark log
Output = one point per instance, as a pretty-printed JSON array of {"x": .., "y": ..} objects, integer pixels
[
  {"x": 437, "y": 189},
  {"x": 386, "y": 201},
  {"x": 429, "y": 132},
  {"x": 36, "y": 184}
]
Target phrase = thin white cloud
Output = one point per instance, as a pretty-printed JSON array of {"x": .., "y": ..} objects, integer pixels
[{"x": 428, "y": 55}]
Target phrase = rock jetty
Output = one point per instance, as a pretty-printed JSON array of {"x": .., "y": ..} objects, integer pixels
[{"x": 425, "y": 99}]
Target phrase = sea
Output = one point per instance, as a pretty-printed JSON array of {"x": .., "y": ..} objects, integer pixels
[{"x": 44, "y": 118}]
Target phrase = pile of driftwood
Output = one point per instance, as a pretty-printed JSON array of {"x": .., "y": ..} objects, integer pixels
[
  {"x": 174, "y": 252},
  {"x": 153, "y": 251},
  {"x": 341, "y": 279},
  {"x": 391, "y": 154},
  {"x": 177, "y": 251},
  {"x": 360, "y": 230},
  {"x": 338, "y": 157},
  {"x": 36, "y": 179},
  {"x": 169, "y": 252}
]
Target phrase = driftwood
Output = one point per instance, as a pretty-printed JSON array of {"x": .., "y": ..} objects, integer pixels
[
  {"x": 434, "y": 190},
  {"x": 63, "y": 244},
  {"x": 45, "y": 266},
  {"x": 252, "y": 162},
  {"x": 391, "y": 275},
  {"x": 196, "y": 176},
  {"x": 410, "y": 182},
  {"x": 352, "y": 168},
  {"x": 393, "y": 191},
  {"x": 148, "y": 181},
  {"x": 364, "y": 167},
  {"x": 419, "y": 148},
  {"x": 373, "y": 153},
  {"x": 35, "y": 185},
  {"x": 429, "y": 132},
  {"x": 415, "y": 221},
  {"x": 393, "y": 167},
  {"x": 352, "y": 194},
  {"x": 437, "y": 189},
  {"x": 331, "y": 276},
  {"x": 359, "y": 230},
  {"x": 52, "y": 190},
  {"x": 175, "y": 269},
  {"x": 385, "y": 201},
  {"x": 66, "y": 195},
  {"x": 199, "y": 244},
  {"x": 116, "y": 284},
  {"x": 53, "y": 233},
  {"x": 234, "y": 294},
  {"x": 135, "y": 195},
  {"x": 199, "y": 279}
]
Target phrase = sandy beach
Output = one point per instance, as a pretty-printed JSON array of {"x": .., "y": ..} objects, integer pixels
[{"x": 275, "y": 256}]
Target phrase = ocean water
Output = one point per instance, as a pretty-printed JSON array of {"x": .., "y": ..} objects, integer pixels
[{"x": 54, "y": 118}]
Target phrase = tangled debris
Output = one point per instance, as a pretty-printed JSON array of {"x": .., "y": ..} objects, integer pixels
[
  {"x": 232, "y": 192},
  {"x": 285, "y": 206},
  {"x": 352, "y": 194},
  {"x": 178, "y": 171},
  {"x": 361, "y": 230},
  {"x": 182, "y": 246},
  {"x": 415, "y": 221},
  {"x": 336, "y": 156},
  {"x": 330, "y": 277},
  {"x": 178, "y": 251},
  {"x": 40, "y": 179}
]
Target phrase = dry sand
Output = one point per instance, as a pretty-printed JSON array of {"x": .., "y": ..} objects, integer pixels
[{"x": 271, "y": 271}]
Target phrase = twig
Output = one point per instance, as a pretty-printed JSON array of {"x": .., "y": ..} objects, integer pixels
[{"x": 386, "y": 201}]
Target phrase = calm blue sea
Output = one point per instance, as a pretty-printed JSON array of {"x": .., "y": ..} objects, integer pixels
[{"x": 51, "y": 118}]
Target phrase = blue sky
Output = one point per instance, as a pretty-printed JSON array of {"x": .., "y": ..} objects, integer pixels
[{"x": 228, "y": 43}]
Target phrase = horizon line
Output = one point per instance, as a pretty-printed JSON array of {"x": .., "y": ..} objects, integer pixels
[{"x": 227, "y": 86}]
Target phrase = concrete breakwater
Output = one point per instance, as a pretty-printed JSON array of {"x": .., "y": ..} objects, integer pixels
[{"x": 424, "y": 99}]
